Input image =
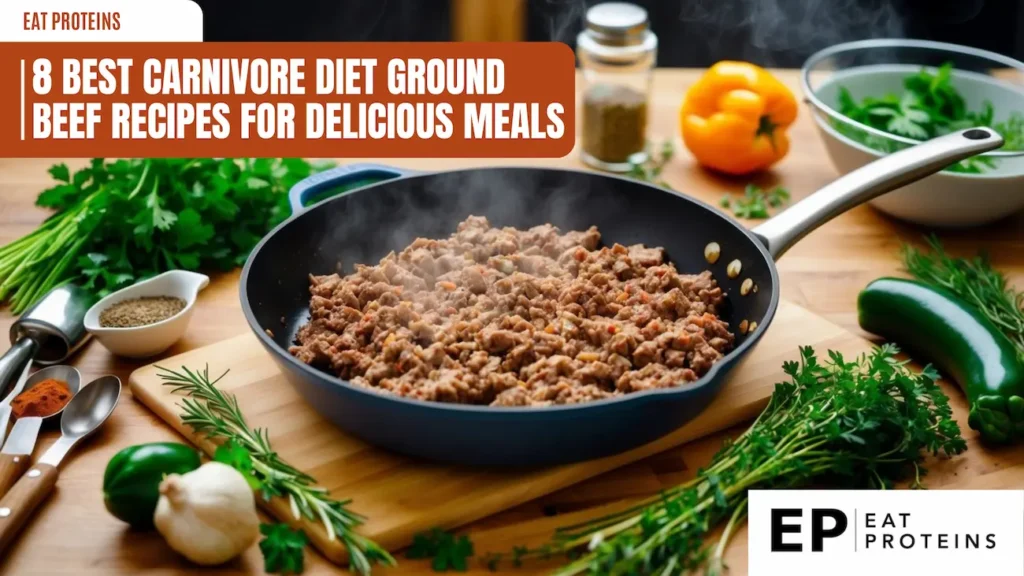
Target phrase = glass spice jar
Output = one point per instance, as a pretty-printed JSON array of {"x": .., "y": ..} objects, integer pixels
[{"x": 616, "y": 53}]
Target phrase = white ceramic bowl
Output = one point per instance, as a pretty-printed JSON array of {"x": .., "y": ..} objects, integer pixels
[
  {"x": 151, "y": 339},
  {"x": 877, "y": 68}
]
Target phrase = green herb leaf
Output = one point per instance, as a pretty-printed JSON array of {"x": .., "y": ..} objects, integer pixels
[
  {"x": 755, "y": 202},
  {"x": 905, "y": 126},
  {"x": 447, "y": 551},
  {"x": 883, "y": 112},
  {"x": 282, "y": 549},
  {"x": 777, "y": 196},
  {"x": 190, "y": 229},
  {"x": 58, "y": 196},
  {"x": 236, "y": 456},
  {"x": 60, "y": 172},
  {"x": 650, "y": 171}
]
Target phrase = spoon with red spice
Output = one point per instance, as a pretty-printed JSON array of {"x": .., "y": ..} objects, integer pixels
[
  {"x": 89, "y": 409},
  {"x": 45, "y": 395}
]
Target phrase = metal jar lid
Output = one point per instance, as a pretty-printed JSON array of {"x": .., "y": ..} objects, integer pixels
[{"x": 617, "y": 23}]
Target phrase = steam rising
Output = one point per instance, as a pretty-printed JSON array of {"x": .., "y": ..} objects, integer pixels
[
  {"x": 432, "y": 208},
  {"x": 801, "y": 26},
  {"x": 565, "y": 17},
  {"x": 768, "y": 32}
]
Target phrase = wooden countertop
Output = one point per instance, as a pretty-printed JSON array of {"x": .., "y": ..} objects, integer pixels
[{"x": 73, "y": 533}]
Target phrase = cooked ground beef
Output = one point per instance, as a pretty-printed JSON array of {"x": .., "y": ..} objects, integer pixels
[{"x": 512, "y": 317}]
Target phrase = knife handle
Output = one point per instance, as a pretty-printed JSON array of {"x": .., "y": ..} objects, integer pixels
[
  {"x": 12, "y": 466},
  {"x": 25, "y": 496}
]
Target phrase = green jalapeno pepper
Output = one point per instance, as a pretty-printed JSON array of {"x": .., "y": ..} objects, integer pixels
[
  {"x": 960, "y": 341},
  {"x": 132, "y": 480}
]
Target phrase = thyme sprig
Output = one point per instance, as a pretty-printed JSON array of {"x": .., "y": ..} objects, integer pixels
[
  {"x": 860, "y": 424},
  {"x": 975, "y": 281},
  {"x": 208, "y": 410}
]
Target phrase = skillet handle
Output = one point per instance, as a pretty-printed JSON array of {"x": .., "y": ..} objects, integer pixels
[
  {"x": 347, "y": 176},
  {"x": 883, "y": 175}
]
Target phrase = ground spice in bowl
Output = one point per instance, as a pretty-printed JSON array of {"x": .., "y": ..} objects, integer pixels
[
  {"x": 44, "y": 399},
  {"x": 140, "y": 311}
]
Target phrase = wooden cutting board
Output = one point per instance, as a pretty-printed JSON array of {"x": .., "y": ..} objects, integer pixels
[{"x": 401, "y": 496}]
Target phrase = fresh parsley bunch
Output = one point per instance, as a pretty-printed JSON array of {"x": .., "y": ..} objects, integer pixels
[
  {"x": 118, "y": 222},
  {"x": 930, "y": 106},
  {"x": 865, "y": 423}
]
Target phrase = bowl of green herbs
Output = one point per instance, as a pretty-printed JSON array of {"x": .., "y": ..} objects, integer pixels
[{"x": 874, "y": 97}]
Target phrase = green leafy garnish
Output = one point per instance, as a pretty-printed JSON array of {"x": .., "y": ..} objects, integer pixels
[
  {"x": 234, "y": 455},
  {"x": 118, "y": 222},
  {"x": 930, "y": 106},
  {"x": 650, "y": 171},
  {"x": 866, "y": 423},
  {"x": 282, "y": 548},
  {"x": 208, "y": 410},
  {"x": 975, "y": 281},
  {"x": 447, "y": 551},
  {"x": 755, "y": 202}
]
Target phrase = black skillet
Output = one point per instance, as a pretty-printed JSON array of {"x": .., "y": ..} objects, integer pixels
[{"x": 363, "y": 225}]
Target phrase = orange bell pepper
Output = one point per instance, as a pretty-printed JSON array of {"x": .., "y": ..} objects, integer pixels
[{"x": 734, "y": 119}]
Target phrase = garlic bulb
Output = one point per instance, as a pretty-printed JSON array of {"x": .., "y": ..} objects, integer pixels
[{"x": 208, "y": 515}]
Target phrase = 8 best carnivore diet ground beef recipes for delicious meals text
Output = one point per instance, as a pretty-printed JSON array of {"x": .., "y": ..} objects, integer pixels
[{"x": 507, "y": 317}]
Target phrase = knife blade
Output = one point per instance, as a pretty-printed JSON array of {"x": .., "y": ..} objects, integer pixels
[
  {"x": 16, "y": 455},
  {"x": 5, "y": 405},
  {"x": 5, "y": 418},
  {"x": 23, "y": 437}
]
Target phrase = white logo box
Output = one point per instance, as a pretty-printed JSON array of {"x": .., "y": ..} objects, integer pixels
[{"x": 899, "y": 532}]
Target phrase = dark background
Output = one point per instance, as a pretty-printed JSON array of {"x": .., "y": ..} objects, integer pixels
[{"x": 690, "y": 32}]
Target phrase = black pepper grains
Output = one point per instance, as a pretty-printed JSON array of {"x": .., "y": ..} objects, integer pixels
[{"x": 140, "y": 311}]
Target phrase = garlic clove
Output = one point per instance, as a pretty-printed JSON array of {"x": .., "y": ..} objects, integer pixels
[
  {"x": 172, "y": 488},
  {"x": 208, "y": 515}
]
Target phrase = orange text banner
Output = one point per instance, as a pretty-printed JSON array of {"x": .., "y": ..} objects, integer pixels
[{"x": 286, "y": 99}]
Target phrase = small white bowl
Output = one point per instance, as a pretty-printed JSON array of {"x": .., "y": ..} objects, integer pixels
[
  {"x": 151, "y": 339},
  {"x": 878, "y": 67}
]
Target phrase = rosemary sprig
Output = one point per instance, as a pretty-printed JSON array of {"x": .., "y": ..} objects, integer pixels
[
  {"x": 209, "y": 411},
  {"x": 860, "y": 424},
  {"x": 973, "y": 280}
]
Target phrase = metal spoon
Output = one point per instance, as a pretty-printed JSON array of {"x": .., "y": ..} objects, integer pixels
[
  {"x": 82, "y": 416},
  {"x": 16, "y": 454}
]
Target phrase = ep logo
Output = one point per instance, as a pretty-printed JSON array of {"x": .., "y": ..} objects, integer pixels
[
  {"x": 824, "y": 523},
  {"x": 869, "y": 532}
]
